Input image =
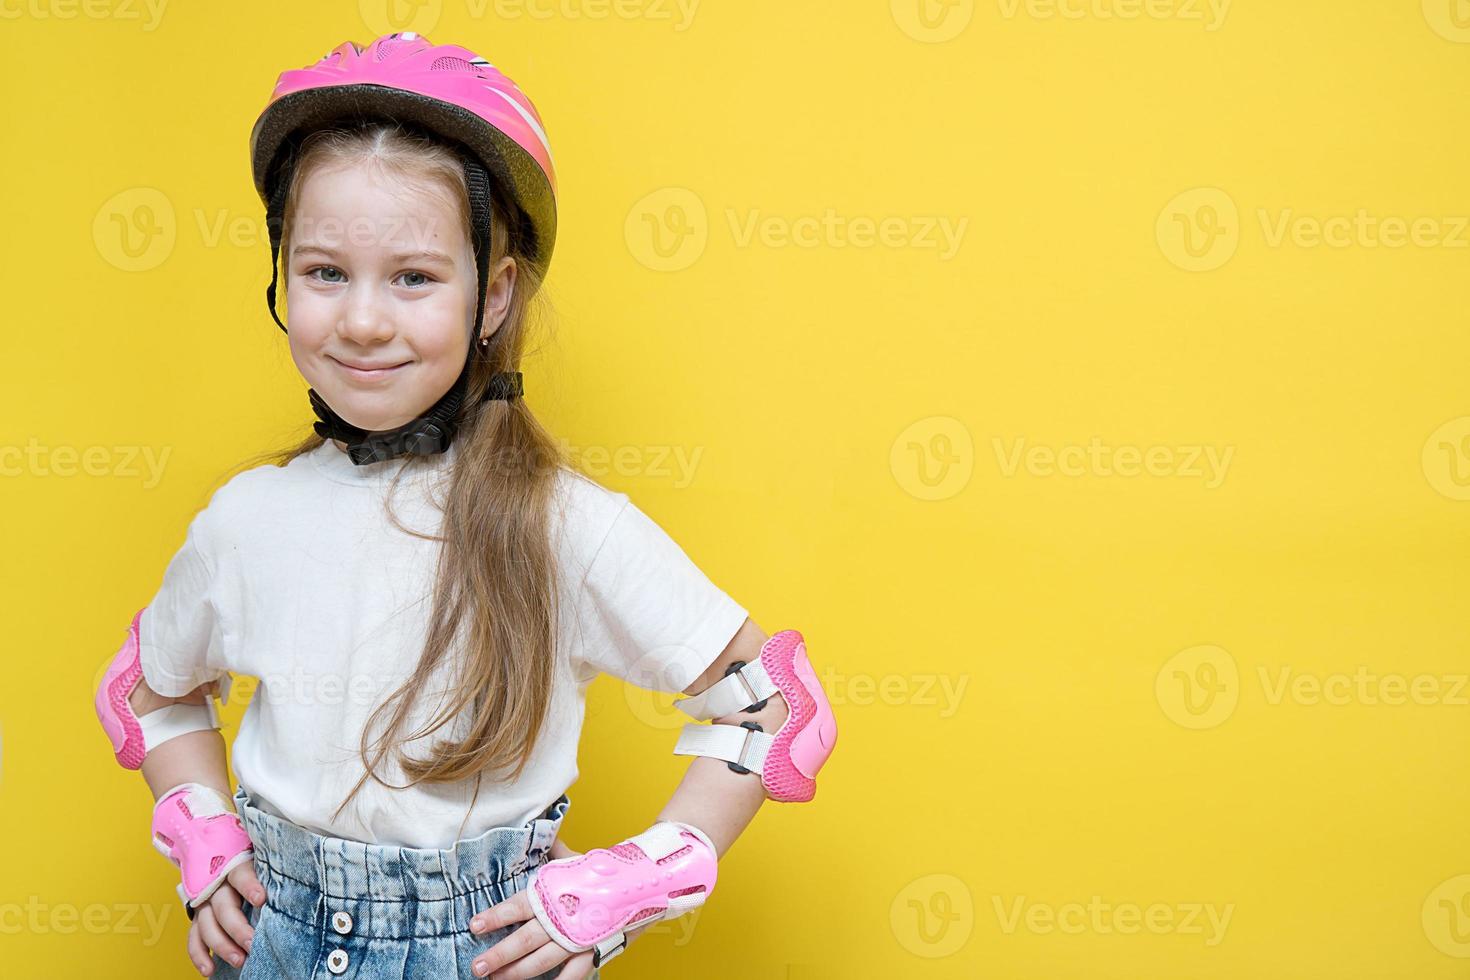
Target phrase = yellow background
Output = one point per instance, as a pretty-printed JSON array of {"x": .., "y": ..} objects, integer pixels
[{"x": 1137, "y": 186}]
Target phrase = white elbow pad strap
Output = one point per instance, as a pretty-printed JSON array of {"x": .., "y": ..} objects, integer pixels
[
  {"x": 588, "y": 901},
  {"x": 133, "y": 737},
  {"x": 789, "y": 760}
]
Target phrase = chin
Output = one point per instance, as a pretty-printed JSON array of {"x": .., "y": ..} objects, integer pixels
[{"x": 371, "y": 418}]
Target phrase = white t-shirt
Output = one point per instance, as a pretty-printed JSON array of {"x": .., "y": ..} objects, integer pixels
[{"x": 296, "y": 576}]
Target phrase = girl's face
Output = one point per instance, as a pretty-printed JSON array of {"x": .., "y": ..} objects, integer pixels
[{"x": 380, "y": 293}]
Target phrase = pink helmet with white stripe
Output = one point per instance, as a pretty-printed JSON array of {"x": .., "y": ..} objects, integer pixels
[
  {"x": 445, "y": 88},
  {"x": 462, "y": 100}
]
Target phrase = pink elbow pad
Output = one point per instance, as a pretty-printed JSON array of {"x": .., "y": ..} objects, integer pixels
[
  {"x": 587, "y": 901},
  {"x": 133, "y": 737},
  {"x": 789, "y": 760},
  {"x": 195, "y": 829}
]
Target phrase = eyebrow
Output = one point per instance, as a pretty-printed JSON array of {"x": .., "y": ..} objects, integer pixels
[{"x": 422, "y": 255}]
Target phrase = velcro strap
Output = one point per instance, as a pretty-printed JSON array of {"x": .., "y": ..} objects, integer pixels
[
  {"x": 742, "y": 746},
  {"x": 175, "y": 720},
  {"x": 734, "y": 692},
  {"x": 609, "y": 947},
  {"x": 658, "y": 841}
]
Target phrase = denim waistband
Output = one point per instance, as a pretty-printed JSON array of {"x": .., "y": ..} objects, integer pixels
[{"x": 308, "y": 867}]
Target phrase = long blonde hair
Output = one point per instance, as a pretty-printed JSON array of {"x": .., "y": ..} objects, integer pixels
[{"x": 496, "y": 577}]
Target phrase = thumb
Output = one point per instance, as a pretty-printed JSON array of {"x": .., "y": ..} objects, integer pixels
[
  {"x": 560, "y": 850},
  {"x": 244, "y": 881}
]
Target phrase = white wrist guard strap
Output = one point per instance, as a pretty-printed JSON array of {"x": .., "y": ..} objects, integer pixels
[
  {"x": 587, "y": 901},
  {"x": 133, "y": 737},
  {"x": 789, "y": 760}
]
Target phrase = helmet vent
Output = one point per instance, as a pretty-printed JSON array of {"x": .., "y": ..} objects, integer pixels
[{"x": 450, "y": 64}]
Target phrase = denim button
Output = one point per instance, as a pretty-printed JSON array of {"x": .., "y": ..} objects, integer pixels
[
  {"x": 337, "y": 961},
  {"x": 342, "y": 922}
]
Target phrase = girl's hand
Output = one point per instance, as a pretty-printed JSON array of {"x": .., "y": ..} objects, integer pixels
[
  {"x": 529, "y": 951},
  {"x": 220, "y": 925}
]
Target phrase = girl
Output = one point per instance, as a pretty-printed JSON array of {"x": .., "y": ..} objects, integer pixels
[{"x": 424, "y": 587}]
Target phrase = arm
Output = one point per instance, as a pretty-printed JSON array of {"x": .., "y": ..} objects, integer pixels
[
  {"x": 711, "y": 796},
  {"x": 197, "y": 757},
  {"x": 713, "y": 799}
]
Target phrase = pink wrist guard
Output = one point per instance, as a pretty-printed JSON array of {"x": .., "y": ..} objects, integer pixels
[
  {"x": 133, "y": 737},
  {"x": 587, "y": 901},
  {"x": 788, "y": 761},
  {"x": 195, "y": 829}
]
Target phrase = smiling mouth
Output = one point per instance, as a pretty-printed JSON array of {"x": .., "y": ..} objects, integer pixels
[{"x": 366, "y": 372}]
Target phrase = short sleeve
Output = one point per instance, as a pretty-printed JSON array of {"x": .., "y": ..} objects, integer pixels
[
  {"x": 652, "y": 617},
  {"x": 180, "y": 638}
]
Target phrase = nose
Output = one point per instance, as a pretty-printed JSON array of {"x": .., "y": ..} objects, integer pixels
[{"x": 363, "y": 319}]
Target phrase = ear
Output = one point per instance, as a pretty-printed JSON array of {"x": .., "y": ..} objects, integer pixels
[{"x": 498, "y": 296}]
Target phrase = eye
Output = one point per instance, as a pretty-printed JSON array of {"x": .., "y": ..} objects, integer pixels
[
  {"x": 426, "y": 279},
  {"x": 325, "y": 268}
]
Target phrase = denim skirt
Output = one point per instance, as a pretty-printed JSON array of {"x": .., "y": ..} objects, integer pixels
[{"x": 343, "y": 910}]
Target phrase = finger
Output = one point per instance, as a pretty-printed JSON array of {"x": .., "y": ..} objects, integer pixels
[
  {"x": 579, "y": 967},
  {"x": 515, "y": 909},
  {"x": 560, "y": 850},
  {"x": 243, "y": 879},
  {"x": 225, "y": 903},
  {"x": 527, "y": 939},
  {"x": 198, "y": 954},
  {"x": 214, "y": 937},
  {"x": 534, "y": 964}
]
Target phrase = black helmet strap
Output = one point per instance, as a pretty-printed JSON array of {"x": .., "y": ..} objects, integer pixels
[{"x": 433, "y": 431}]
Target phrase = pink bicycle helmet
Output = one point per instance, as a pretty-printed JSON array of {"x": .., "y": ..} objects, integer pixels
[{"x": 462, "y": 99}]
